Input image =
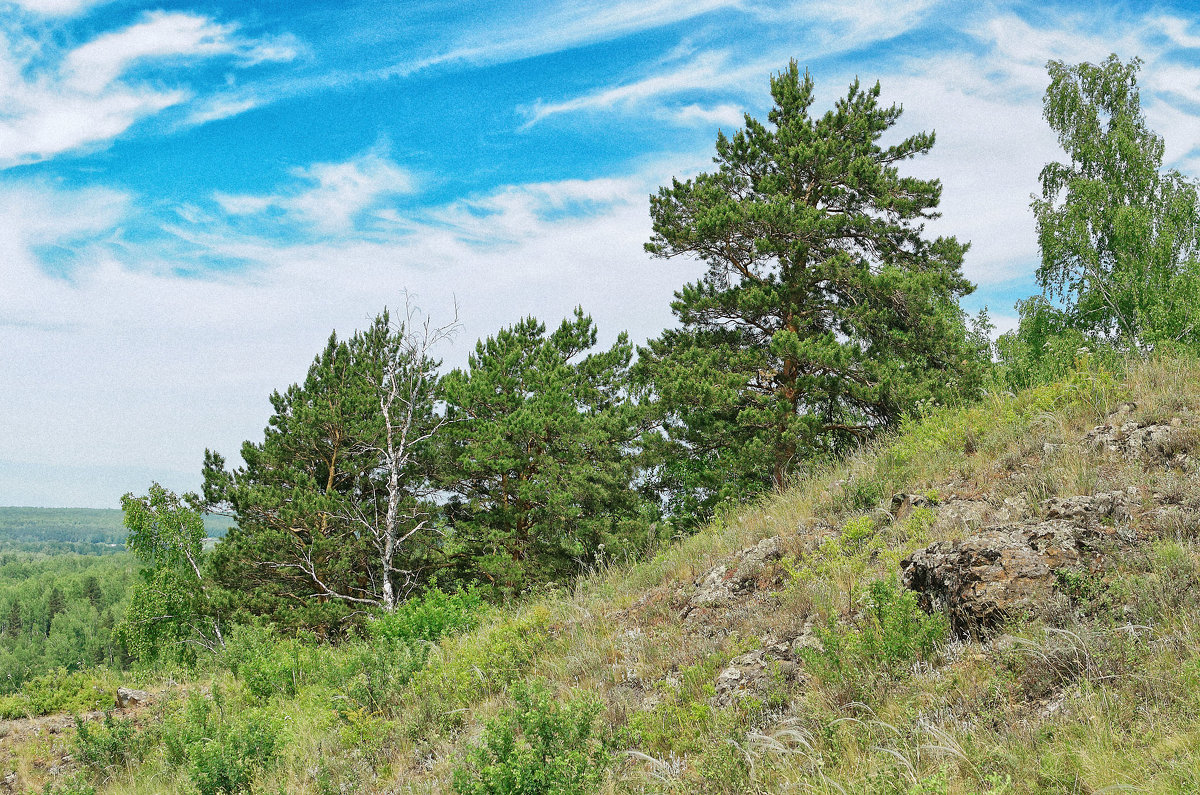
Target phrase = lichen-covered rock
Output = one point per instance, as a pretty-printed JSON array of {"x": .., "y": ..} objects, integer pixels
[
  {"x": 1090, "y": 507},
  {"x": 1166, "y": 443},
  {"x": 970, "y": 514},
  {"x": 755, "y": 673},
  {"x": 127, "y": 697},
  {"x": 996, "y": 573},
  {"x": 747, "y": 571}
]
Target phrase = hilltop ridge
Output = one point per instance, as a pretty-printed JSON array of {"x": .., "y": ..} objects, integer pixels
[{"x": 998, "y": 598}]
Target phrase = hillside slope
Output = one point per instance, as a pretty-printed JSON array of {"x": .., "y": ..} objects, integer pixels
[{"x": 1052, "y": 536}]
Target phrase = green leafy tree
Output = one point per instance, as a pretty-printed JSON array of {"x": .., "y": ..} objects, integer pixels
[
  {"x": 331, "y": 507},
  {"x": 13, "y": 627},
  {"x": 1119, "y": 235},
  {"x": 171, "y": 608},
  {"x": 539, "y": 456},
  {"x": 825, "y": 312}
]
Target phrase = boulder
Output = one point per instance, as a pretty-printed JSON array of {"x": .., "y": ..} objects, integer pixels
[
  {"x": 1167, "y": 443},
  {"x": 743, "y": 574},
  {"x": 131, "y": 698},
  {"x": 963, "y": 513},
  {"x": 1088, "y": 508},
  {"x": 994, "y": 574},
  {"x": 755, "y": 673}
]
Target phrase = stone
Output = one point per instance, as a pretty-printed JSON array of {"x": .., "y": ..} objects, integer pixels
[
  {"x": 755, "y": 673},
  {"x": 994, "y": 574},
  {"x": 1169, "y": 443},
  {"x": 741, "y": 575},
  {"x": 904, "y": 504},
  {"x": 1088, "y": 508},
  {"x": 127, "y": 697},
  {"x": 965, "y": 513}
]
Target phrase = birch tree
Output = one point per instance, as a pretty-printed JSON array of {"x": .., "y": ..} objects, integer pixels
[{"x": 332, "y": 506}]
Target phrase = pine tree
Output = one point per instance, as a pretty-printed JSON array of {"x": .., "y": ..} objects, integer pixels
[
  {"x": 825, "y": 313},
  {"x": 538, "y": 454},
  {"x": 331, "y": 507}
]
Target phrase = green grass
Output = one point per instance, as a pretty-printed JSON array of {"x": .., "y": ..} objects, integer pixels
[{"x": 1103, "y": 696}]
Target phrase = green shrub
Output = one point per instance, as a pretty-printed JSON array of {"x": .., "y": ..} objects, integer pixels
[
  {"x": 432, "y": 615},
  {"x": 267, "y": 664},
  {"x": 491, "y": 661},
  {"x": 891, "y": 632},
  {"x": 538, "y": 746},
  {"x": 223, "y": 750},
  {"x": 76, "y": 784},
  {"x": 113, "y": 743},
  {"x": 59, "y": 691}
]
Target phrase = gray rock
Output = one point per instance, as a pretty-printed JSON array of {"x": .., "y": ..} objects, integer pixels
[
  {"x": 1169, "y": 443},
  {"x": 131, "y": 698},
  {"x": 965, "y": 513},
  {"x": 755, "y": 673},
  {"x": 996, "y": 573},
  {"x": 1090, "y": 507},
  {"x": 724, "y": 583}
]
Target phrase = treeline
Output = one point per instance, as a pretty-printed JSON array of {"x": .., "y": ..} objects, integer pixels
[
  {"x": 825, "y": 317},
  {"x": 80, "y": 531}
]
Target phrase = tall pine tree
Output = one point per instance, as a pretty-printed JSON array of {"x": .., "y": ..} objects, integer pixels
[
  {"x": 538, "y": 454},
  {"x": 825, "y": 313}
]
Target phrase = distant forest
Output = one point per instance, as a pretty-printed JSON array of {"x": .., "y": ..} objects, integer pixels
[{"x": 84, "y": 531}]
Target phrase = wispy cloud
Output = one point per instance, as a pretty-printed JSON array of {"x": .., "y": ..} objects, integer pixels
[
  {"x": 856, "y": 24},
  {"x": 708, "y": 71},
  {"x": 541, "y": 30},
  {"x": 55, "y": 7},
  {"x": 327, "y": 196},
  {"x": 87, "y": 98}
]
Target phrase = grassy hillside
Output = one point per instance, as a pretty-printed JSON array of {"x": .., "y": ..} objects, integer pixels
[{"x": 776, "y": 651}]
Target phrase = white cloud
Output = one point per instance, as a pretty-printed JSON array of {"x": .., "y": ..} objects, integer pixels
[
  {"x": 329, "y": 196},
  {"x": 545, "y": 29},
  {"x": 708, "y": 71},
  {"x": 55, "y": 7},
  {"x": 137, "y": 363},
  {"x": 86, "y": 97},
  {"x": 857, "y": 24},
  {"x": 724, "y": 115},
  {"x": 92, "y": 67}
]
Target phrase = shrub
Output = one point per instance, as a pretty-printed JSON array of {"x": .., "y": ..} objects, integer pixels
[
  {"x": 58, "y": 691},
  {"x": 432, "y": 615},
  {"x": 222, "y": 751},
  {"x": 537, "y": 746},
  {"x": 266, "y": 664},
  {"x": 891, "y": 632},
  {"x": 115, "y": 742}
]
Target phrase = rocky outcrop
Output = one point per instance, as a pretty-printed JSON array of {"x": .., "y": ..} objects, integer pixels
[
  {"x": 1089, "y": 508},
  {"x": 1169, "y": 443},
  {"x": 127, "y": 697},
  {"x": 756, "y": 674},
  {"x": 747, "y": 571},
  {"x": 997, "y": 573}
]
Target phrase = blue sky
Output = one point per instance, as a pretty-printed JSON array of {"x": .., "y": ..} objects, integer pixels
[{"x": 194, "y": 194}]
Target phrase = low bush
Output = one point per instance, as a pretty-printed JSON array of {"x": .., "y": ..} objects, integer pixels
[
  {"x": 432, "y": 615},
  {"x": 60, "y": 691},
  {"x": 889, "y": 633},
  {"x": 112, "y": 743},
  {"x": 537, "y": 746},
  {"x": 222, "y": 749}
]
